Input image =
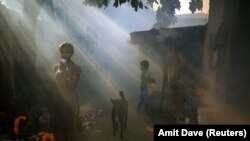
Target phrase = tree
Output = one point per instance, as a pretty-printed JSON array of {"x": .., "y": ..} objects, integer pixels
[{"x": 165, "y": 14}]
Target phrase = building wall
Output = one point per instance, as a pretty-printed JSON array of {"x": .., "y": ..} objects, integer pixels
[
  {"x": 225, "y": 93},
  {"x": 216, "y": 13},
  {"x": 238, "y": 76}
]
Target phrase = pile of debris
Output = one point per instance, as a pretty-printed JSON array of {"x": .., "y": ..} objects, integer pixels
[{"x": 88, "y": 116}]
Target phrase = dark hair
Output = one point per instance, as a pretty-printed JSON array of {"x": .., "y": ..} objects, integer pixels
[
  {"x": 66, "y": 45},
  {"x": 145, "y": 63},
  {"x": 122, "y": 95}
]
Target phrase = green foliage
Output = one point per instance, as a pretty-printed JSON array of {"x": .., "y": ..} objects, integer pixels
[
  {"x": 150, "y": 2},
  {"x": 165, "y": 15},
  {"x": 136, "y": 4},
  {"x": 119, "y": 2},
  {"x": 195, "y": 5},
  {"x": 97, "y": 3}
]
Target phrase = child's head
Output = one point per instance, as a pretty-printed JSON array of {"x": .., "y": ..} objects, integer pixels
[
  {"x": 122, "y": 94},
  {"x": 66, "y": 50},
  {"x": 144, "y": 65}
]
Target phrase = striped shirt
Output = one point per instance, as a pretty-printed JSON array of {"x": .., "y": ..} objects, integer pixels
[{"x": 66, "y": 112}]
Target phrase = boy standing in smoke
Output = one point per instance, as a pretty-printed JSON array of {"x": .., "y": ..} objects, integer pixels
[{"x": 146, "y": 79}]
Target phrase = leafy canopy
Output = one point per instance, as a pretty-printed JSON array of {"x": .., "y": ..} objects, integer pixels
[{"x": 165, "y": 14}]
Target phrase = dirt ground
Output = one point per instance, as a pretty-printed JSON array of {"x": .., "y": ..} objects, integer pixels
[{"x": 139, "y": 127}]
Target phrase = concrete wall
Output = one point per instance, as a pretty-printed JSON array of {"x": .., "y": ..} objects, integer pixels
[
  {"x": 225, "y": 92},
  {"x": 216, "y": 13}
]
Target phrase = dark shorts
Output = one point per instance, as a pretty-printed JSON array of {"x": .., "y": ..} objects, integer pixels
[{"x": 144, "y": 97}]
